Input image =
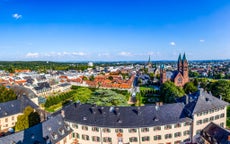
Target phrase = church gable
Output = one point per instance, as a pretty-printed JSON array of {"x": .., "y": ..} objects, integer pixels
[{"x": 179, "y": 80}]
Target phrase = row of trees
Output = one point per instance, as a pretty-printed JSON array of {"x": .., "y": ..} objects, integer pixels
[
  {"x": 6, "y": 94},
  {"x": 41, "y": 66},
  {"x": 53, "y": 100}
]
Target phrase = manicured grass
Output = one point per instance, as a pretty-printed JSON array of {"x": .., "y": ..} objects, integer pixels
[
  {"x": 86, "y": 95},
  {"x": 144, "y": 88}
]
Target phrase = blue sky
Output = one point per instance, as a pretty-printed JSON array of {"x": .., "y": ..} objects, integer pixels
[{"x": 112, "y": 30}]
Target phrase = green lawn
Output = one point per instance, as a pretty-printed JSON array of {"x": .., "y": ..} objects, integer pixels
[{"x": 87, "y": 95}]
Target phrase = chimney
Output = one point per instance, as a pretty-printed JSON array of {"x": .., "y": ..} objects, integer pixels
[
  {"x": 187, "y": 99},
  {"x": 63, "y": 113}
]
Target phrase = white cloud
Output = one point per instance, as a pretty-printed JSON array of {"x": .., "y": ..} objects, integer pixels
[
  {"x": 125, "y": 54},
  {"x": 78, "y": 53},
  {"x": 32, "y": 55},
  {"x": 17, "y": 16},
  {"x": 202, "y": 40},
  {"x": 103, "y": 54},
  {"x": 172, "y": 43},
  {"x": 55, "y": 55}
]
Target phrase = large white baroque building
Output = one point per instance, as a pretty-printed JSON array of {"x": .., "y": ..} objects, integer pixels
[
  {"x": 152, "y": 124},
  {"x": 159, "y": 124}
]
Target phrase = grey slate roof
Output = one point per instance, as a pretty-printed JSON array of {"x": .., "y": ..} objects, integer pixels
[
  {"x": 20, "y": 90},
  {"x": 42, "y": 85},
  {"x": 201, "y": 101},
  {"x": 171, "y": 74},
  {"x": 15, "y": 106},
  {"x": 41, "y": 133},
  {"x": 215, "y": 134},
  {"x": 125, "y": 117}
]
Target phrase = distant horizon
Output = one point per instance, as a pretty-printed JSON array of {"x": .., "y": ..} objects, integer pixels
[
  {"x": 86, "y": 61},
  {"x": 114, "y": 30}
]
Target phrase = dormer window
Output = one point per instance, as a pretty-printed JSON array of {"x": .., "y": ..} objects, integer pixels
[
  {"x": 54, "y": 135},
  {"x": 61, "y": 131}
]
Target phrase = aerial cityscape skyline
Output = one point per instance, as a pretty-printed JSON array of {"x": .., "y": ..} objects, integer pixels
[{"x": 114, "y": 30}]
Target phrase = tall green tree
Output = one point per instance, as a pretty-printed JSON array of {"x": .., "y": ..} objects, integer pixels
[
  {"x": 28, "y": 119},
  {"x": 221, "y": 88},
  {"x": 190, "y": 88},
  {"x": 169, "y": 92},
  {"x": 6, "y": 94}
]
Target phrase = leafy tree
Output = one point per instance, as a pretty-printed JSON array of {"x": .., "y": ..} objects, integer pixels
[
  {"x": 204, "y": 83},
  {"x": 169, "y": 91},
  {"x": 221, "y": 88},
  {"x": 196, "y": 82},
  {"x": 6, "y": 94},
  {"x": 151, "y": 75},
  {"x": 28, "y": 119},
  {"x": 91, "y": 78},
  {"x": 22, "y": 123},
  {"x": 193, "y": 74},
  {"x": 190, "y": 88},
  {"x": 110, "y": 78}
]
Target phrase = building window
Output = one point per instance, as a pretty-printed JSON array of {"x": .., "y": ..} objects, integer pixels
[
  {"x": 187, "y": 124},
  {"x": 132, "y": 130},
  {"x": 157, "y": 128},
  {"x": 199, "y": 114},
  {"x": 168, "y": 136},
  {"x": 107, "y": 139},
  {"x": 133, "y": 139},
  {"x": 85, "y": 137},
  {"x": 75, "y": 126},
  {"x": 198, "y": 131},
  {"x": 84, "y": 128},
  {"x": 119, "y": 130},
  {"x": 6, "y": 119},
  {"x": 168, "y": 127},
  {"x": 73, "y": 135},
  {"x": 222, "y": 124},
  {"x": 198, "y": 122},
  {"x": 106, "y": 130},
  {"x": 222, "y": 115},
  {"x": 177, "y": 134},
  {"x": 187, "y": 132},
  {"x": 95, "y": 139},
  {"x": 177, "y": 125},
  {"x": 205, "y": 120},
  {"x": 211, "y": 118},
  {"x": 177, "y": 142},
  {"x": 145, "y": 138},
  {"x": 144, "y": 129},
  {"x": 77, "y": 134},
  {"x": 95, "y": 129},
  {"x": 157, "y": 137},
  {"x": 217, "y": 117},
  {"x": 12, "y": 118}
]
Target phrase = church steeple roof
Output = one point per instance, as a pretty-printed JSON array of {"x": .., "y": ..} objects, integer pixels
[
  {"x": 184, "y": 57},
  {"x": 149, "y": 61},
  {"x": 179, "y": 58}
]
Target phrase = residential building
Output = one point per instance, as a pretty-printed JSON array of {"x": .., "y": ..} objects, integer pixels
[
  {"x": 53, "y": 131},
  {"x": 215, "y": 134}
]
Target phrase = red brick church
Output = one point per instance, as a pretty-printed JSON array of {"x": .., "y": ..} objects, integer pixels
[{"x": 180, "y": 76}]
